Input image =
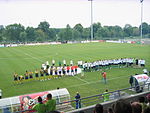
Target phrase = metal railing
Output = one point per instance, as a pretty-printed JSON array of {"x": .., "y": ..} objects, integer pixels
[{"x": 92, "y": 100}]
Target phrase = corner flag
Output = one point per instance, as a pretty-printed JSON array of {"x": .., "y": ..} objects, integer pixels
[{"x": 141, "y": 1}]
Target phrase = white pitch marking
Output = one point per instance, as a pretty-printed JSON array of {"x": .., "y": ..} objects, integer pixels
[
  {"x": 81, "y": 79},
  {"x": 94, "y": 82},
  {"x": 33, "y": 57}
]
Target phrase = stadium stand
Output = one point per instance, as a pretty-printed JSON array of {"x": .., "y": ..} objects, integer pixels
[
  {"x": 88, "y": 103},
  {"x": 108, "y": 104}
]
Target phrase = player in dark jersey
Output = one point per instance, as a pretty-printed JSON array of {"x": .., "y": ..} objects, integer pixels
[
  {"x": 15, "y": 78},
  {"x": 51, "y": 73},
  {"x": 42, "y": 74},
  {"x": 30, "y": 76},
  {"x": 76, "y": 69},
  {"x": 36, "y": 74},
  {"x": 56, "y": 73},
  {"x": 68, "y": 69},
  {"x": 63, "y": 70},
  {"x": 46, "y": 73},
  {"x": 20, "y": 78},
  {"x": 26, "y": 76}
]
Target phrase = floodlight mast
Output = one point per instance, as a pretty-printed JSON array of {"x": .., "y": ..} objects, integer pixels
[
  {"x": 141, "y": 1},
  {"x": 91, "y": 19}
]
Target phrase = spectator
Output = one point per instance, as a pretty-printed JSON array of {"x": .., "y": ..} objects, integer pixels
[
  {"x": 145, "y": 71},
  {"x": 25, "y": 101},
  {"x": 148, "y": 99},
  {"x": 147, "y": 110},
  {"x": 81, "y": 112},
  {"x": 121, "y": 106},
  {"x": 142, "y": 102},
  {"x": 109, "y": 110},
  {"x": 106, "y": 96},
  {"x": 78, "y": 101},
  {"x": 0, "y": 93},
  {"x": 40, "y": 107},
  {"x": 50, "y": 104},
  {"x": 55, "y": 112},
  {"x": 131, "y": 81},
  {"x": 98, "y": 108},
  {"x": 136, "y": 107}
]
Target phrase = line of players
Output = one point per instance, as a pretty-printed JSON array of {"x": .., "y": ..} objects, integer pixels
[
  {"x": 48, "y": 72},
  {"x": 108, "y": 64},
  {"x": 45, "y": 73}
]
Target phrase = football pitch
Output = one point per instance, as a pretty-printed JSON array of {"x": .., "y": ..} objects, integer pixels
[{"x": 20, "y": 59}]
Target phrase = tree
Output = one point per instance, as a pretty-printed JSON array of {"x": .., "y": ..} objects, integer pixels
[
  {"x": 52, "y": 34},
  {"x": 13, "y": 31},
  {"x": 79, "y": 29},
  {"x": 145, "y": 28},
  {"x": 105, "y": 32},
  {"x": 68, "y": 32},
  {"x": 1, "y": 32},
  {"x": 76, "y": 35},
  {"x": 86, "y": 33},
  {"x": 128, "y": 30},
  {"x": 136, "y": 31},
  {"x": 61, "y": 35},
  {"x": 44, "y": 26},
  {"x": 23, "y": 36},
  {"x": 96, "y": 26},
  {"x": 148, "y": 28},
  {"x": 99, "y": 33},
  {"x": 118, "y": 31},
  {"x": 65, "y": 34},
  {"x": 40, "y": 35},
  {"x": 30, "y": 34}
]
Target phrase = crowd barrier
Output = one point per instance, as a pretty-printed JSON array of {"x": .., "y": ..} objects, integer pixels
[{"x": 88, "y": 103}]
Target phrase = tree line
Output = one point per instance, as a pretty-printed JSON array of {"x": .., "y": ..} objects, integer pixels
[{"x": 17, "y": 33}]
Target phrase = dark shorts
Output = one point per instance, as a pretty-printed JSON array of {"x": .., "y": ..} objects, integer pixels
[
  {"x": 26, "y": 78},
  {"x": 76, "y": 69},
  {"x": 51, "y": 72},
  {"x": 64, "y": 72},
  {"x": 59, "y": 72},
  {"x": 42, "y": 75},
  {"x": 15, "y": 79},
  {"x": 47, "y": 66},
  {"x": 31, "y": 76},
  {"x": 36, "y": 75},
  {"x": 67, "y": 71},
  {"x": 143, "y": 65},
  {"x": 55, "y": 72}
]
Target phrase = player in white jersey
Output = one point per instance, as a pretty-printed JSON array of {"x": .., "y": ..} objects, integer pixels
[
  {"x": 139, "y": 62},
  {"x": 64, "y": 62},
  {"x": 88, "y": 66},
  {"x": 64, "y": 70},
  {"x": 71, "y": 63},
  {"x": 80, "y": 64},
  {"x": 107, "y": 64},
  {"x": 85, "y": 64},
  {"x": 59, "y": 71},
  {"x": 142, "y": 63},
  {"x": 53, "y": 62},
  {"x": 47, "y": 64},
  {"x": 43, "y": 66}
]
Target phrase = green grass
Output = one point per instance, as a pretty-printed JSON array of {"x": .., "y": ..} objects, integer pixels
[{"x": 24, "y": 58}]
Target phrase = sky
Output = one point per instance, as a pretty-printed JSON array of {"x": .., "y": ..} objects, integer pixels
[{"x": 59, "y": 13}]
